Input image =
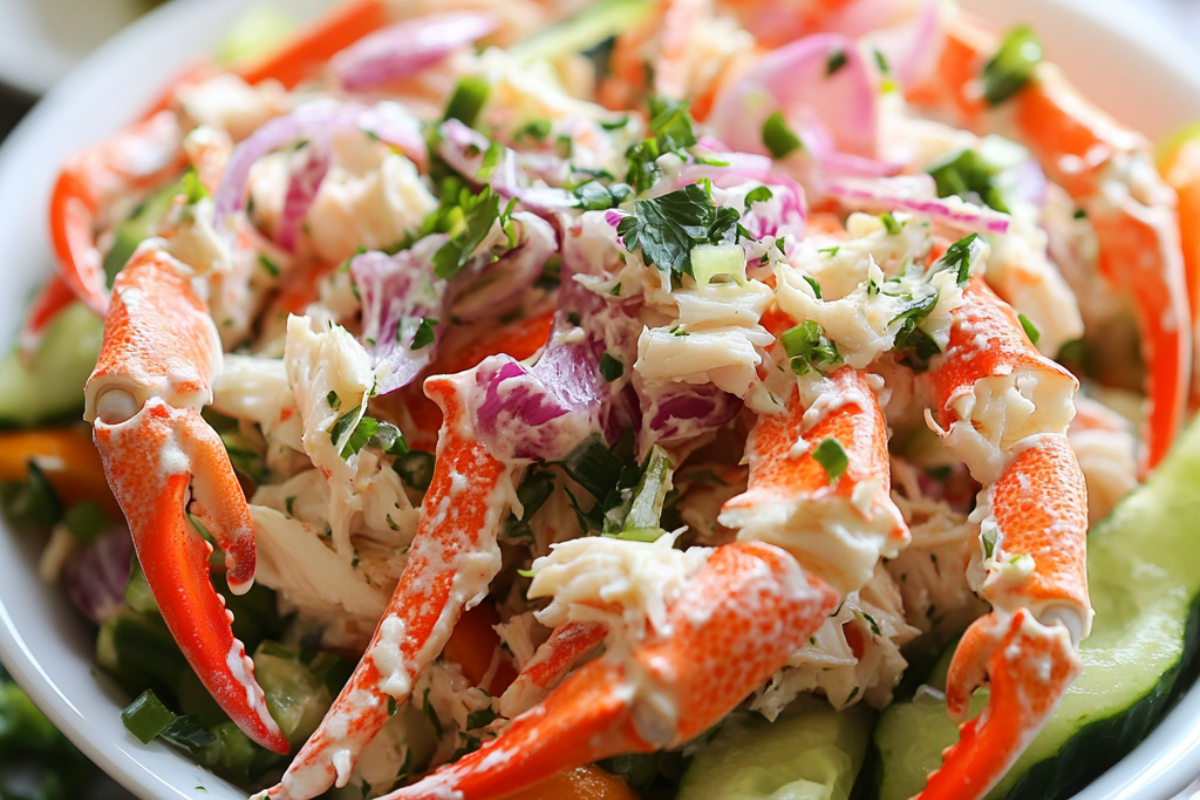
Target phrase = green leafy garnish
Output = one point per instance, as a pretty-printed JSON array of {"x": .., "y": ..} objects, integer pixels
[
  {"x": 666, "y": 228},
  {"x": 415, "y": 468},
  {"x": 191, "y": 187},
  {"x": 835, "y": 62},
  {"x": 672, "y": 131},
  {"x": 958, "y": 258},
  {"x": 832, "y": 457},
  {"x": 778, "y": 137},
  {"x": 367, "y": 431},
  {"x": 479, "y": 211},
  {"x": 596, "y": 196},
  {"x": 890, "y": 224},
  {"x": 424, "y": 335},
  {"x": 915, "y": 345},
  {"x": 611, "y": 368},
  {"x": 760, "y": 194},
  {"x": 816, "y": 287},
  {"x": 808, "y": 348},
  {"x": 645, "y": 510},
  {"x": 537, "y": 130},
  {"x": 1013, "y": 65},
  {"x": 969, "y": 176}
]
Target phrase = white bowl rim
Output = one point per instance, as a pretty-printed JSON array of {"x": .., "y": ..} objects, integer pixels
[{"x": 1159, "y": 767}]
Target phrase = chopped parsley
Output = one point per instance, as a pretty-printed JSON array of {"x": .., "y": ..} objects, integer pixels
[
  {"x": 191, "y": 187},
  {"x": 424, "y": 336},
  {"x": 832, "y": 457},
  {"x": 415, "y": 468},
  {"x": 779, "y": 139},
  {"x": 890, "y": 224},
  {"x": 666, "y": 228},
  {"x": 830, "y": 251},
  {"x": 595, "y": 196},
  {"x": 958, "y": 257},
  {"x": 969, "y": 176},
  {"x": 808, "y": 348},
  {"x": 915, "y": 345},
  {"x": 611, "y": 368},
  {"x": 479, "y": 211},
  {"x": 1013, "y": 65},
  {"x": 537, "y": 130},
  {"x": 367, "y": 431},
  {"x": 816, "y": 287},
  {"x": 836, "y": 61},
  {"x": 269, "y": 266},
  {"x": 759, "y": 194},
  {"x": 673, "y": 132}
]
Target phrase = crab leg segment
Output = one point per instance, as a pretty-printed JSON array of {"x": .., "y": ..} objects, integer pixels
[
  {"x": 550, "y": 664},
  {"x": 1034, "y": 539},
  {"x": 1108, "y": 170},
  {"x": 139, "y": 157},
  {"x": 454, "y": 557},
  {"x": 144, "y": 398},
  {"x": 738, "y": 621},
  {"x": 836, "y": 527}
]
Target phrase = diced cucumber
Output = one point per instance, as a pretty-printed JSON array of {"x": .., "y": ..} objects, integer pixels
[
  {"x": 582, "y": 32},
  {"x": 53, "y": 389},
  {"x": 1145, "y": 583},
  {"x": 296, "y": 696},
  {"x": 812, "y": 753},
  {"x": 134, "y": 230}
]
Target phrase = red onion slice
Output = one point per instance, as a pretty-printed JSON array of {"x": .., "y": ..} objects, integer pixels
[
  {"x": 677, "y": 411},
  {"x": 399, "y": 292},
  {"x": 311, "y": 165},
  {"x": 464, "y": 148},
  {"x": 406, "y": 48},
  {"x": 795, "y": 80},
  {"x": 387, "y": 121},
  {"x": 500, "y": 287},
  {"x": 916, "y": 193},
  {"x": 95, "y": 576}
]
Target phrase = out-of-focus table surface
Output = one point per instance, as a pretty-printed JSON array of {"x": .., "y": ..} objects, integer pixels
[{"x": 1178, "y": 18}]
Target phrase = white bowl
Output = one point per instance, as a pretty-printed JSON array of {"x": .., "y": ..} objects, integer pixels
[{"x": 1118, "y": 58}]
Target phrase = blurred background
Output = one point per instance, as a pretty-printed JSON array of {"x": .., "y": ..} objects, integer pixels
[{"x": 40, "y": 42}]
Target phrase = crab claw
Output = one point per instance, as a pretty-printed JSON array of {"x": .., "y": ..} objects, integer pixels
[
  {"x": 453, "y": 558},
  {"x": 1030, "y": 667},
  {"x": 144, "y": 398},
  {"x": 138, "y": 157},
  {"x": 738, "y": 621}
]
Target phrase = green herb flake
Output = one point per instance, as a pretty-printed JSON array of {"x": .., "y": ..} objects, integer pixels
[
  {"x": 830, "y": 251},
  {"x": 958, "y": 257},
  {"x": 269, "y": 266},
  {"x": 779, "y": 139},
  {"x": 836, "y": 61},
  {"x": 816, "y": 287},
  {"x": 880, "y": 61},
  {"x": 890, "y": 224},
  {"x": 760, "y": 194},
  {"x": 611, "y": 368},
  {"x": 808, "y": 348},
  {"x": 470, "y": 93},
  {"x": 1031, "y": 330},
  {"x": 537, "y": 130},
  {"x": 832, "y": 457},
  {"x": 191, "y": 187},
  {"x": 425, "y": 334},
  {"x": 666, "y": 228},
  {"x": 1013, "y": 65},
  {"x": 479, "y": 212},
  {"x": 333, "y": 400},
  {"x": 480, "y": 718}
]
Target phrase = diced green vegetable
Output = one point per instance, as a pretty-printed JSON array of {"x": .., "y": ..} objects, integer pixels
[
  {"x": 810, "y": 753},
  {"x": 470, "y": 93},
  {"x": 808, "y": 348},
  {"x": 582, "y": 32},
  {"x": 711, "y": 260},
  {"x": 645, "y": 510},
  {"x": 778, "y": 137},
  {"x": 296, "y": 697},
  {"x": 416, "y": 469},
  {"x": 667, "y": 228},
  {"x": 968, "y": 175},
  {"x": 832, "y": 457},
  {"x": 147, "y": 717},
  {"x": 1013, "y": 65},
  {"x": 53, "y": 388}
]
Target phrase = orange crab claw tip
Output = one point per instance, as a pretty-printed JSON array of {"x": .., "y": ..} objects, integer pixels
[{"x": 1030, "y": 668}]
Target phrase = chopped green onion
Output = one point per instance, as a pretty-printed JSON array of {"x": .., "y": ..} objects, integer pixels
[
  {"x": 147, "y": 717},
  {"x": 808, "y": 348},
  {"x": 1031, "y": 330},
  {"x": 832, "y": 457},
  {"x": 645, "y": 512},
  {"x": 779, "y": 139},
  {"x": 1013, "y": 65},
  {"x": 470, "y": 93},
  {"x": 711, "y": 260},
  {"x": 890, "y": 224}
]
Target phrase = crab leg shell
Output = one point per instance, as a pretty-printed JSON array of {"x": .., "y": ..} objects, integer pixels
[
  {"x": 837, "y": 528},
  {"x": 1031, "y": 667},
  {"x": 453, "y": 558},
  {"x": 550, "y": 664},
  {"x": 304, "y": 54},
  {"x": 738, "y": 621},
  {"x": 138, "y": 157},
  {"x": 144, "y": 397},
  {"x": 992, "y": 387}
]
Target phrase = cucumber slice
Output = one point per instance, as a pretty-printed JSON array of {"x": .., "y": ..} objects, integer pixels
[
  {"x": 53, "y": 389},
  {"x": 1142, "y": 652},
  {"x": 812, "y": 753},
  {"x": 582, "y": 32}
]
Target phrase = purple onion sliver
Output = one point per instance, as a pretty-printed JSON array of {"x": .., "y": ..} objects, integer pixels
[
  {"x": 501, "y": 286},
  {"x": 303, "y": 184},
  {"x": 406, "y": 48},
  {"x": 95, "y": 576}
]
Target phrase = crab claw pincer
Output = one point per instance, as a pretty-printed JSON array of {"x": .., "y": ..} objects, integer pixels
[{"x": 162, "y": 460}]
